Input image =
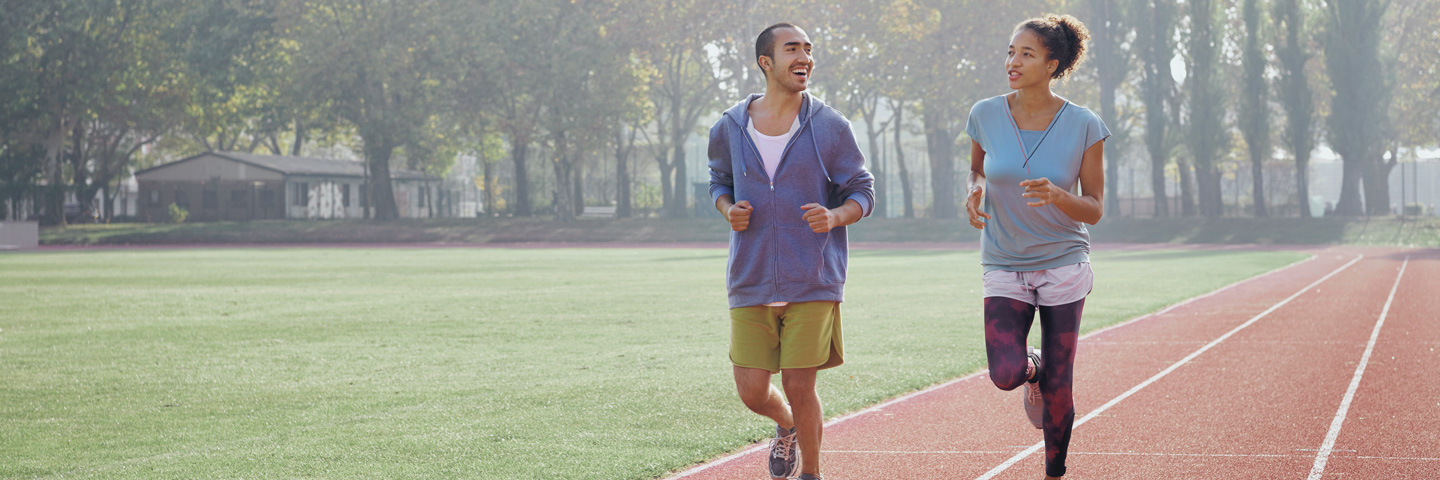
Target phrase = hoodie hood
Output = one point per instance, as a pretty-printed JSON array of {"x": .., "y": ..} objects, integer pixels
[
  {"x": 740, "y": 113},
  {"x": 809, "y": 108}
]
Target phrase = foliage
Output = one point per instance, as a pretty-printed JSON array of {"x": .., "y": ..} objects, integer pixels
[
  {"x": 1359, "y": 123},
  {"x": 101, "y": 87},
  {"x": 177, "y": 213}
]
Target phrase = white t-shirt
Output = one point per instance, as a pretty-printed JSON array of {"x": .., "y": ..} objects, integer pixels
[{"x": 771, "y": 148}]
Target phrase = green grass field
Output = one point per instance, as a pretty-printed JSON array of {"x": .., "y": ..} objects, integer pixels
[{"x": 457, "y": 363}]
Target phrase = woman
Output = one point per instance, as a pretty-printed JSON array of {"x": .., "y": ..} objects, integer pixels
[{"x": 1029, "y": 149}]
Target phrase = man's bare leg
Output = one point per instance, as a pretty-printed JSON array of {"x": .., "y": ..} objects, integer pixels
[
  {"x": 761, "y": 396},
  {"x": 807, "y": 413}
]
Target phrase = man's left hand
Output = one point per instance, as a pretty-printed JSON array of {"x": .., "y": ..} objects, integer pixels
[{"x": 821, "y": 219}]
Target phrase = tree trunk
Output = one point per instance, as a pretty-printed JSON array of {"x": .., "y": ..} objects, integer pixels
[
  {"x": 1187, "y": 188},
  {"x": 622, "y": 173},
  {"x": 679, "y": 188},
  {"x": 1111, "y": 68},
  {"x": 663, "y": 162},
  {"x": 1257, "y": 175},
  {"x": 518, "y": 151},
  {"x": 1212, "y": 203},
  {"x": 562, "y": 191},
  {"x": 299, "y": 138},
  {"x": 1157, "y": 183},
  {"x": 377, "y": 156},
  {"x": 1349, "y": 203},
  {"x": 577, "y": 194},
  {"x": 1377, "y": 185},
  {"x": 1302, "y": 184},
  {"x": 489, "y": 181},
  {"x": 940, "y": 143},
  {"x": 907, "y": 190}
]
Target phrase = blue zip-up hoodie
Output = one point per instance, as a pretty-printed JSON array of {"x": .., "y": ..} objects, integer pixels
[{"x": 778, "y": 258}]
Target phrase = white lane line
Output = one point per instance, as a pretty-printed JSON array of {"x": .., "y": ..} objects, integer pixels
[
  {"x": 1195, "y": 299},
  {"x": 1128, "y": 454},
  {"x": 923, "y": 452},
  {"x": 937, "y": 387},
  {"x": 1037, "y": 447},
  {"x": 1323, "y": 455}
]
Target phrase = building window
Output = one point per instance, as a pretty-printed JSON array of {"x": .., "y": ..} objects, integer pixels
[
  {"x": 209, "y": 198},
  {"x": 182, "y": 199},
  {"x": 237, "y": 198},
  {"x": 364, "y": 195},
  {"x": 154, "y": 197},
  {"x": 424, "y": 194},
  {"x": 345, "y": 195},
  {"x": 302, "y": 193}
]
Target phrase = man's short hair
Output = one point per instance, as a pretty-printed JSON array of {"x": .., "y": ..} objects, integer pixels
[{"x": 765, "y": 43}]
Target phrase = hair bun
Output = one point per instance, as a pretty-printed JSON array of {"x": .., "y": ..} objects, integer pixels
[{"x": 1064, "y": 36}]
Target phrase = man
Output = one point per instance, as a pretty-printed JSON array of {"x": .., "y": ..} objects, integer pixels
[{"x": 787, "y": 175}]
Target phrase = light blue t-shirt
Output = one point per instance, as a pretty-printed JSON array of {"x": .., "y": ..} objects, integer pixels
[{"x": 1018, "y": 237}]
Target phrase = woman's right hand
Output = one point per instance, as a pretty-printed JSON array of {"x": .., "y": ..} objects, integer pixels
[{"x": 972, "y": 207}]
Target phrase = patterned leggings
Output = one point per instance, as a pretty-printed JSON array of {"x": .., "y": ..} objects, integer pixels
[{"x": 1007, "y": 325}]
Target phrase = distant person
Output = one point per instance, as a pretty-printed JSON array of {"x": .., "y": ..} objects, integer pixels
[
  {"x": 1029, "y": 148},
  {"x": 787, "y": 174}
]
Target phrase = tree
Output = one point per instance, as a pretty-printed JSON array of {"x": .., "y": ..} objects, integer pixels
[
  {"x": 75, "y": 52},
  {"x": 1358, "y": 122},
  {"x": 20, "y": 164},
  {"x": 685, "y": 85},
  {"x": 860, "y": 72},
  {"x": 1154, "y": 23},
  {"x": 1206, "y": 135},
  {"x": 1255, "y": 104},
  {"x": 1293, "y": 87},
  {"x": 949, "y": 74},
  {"x": 1109, "y": 29},
  {"x": 383, "y": 66},
  {"x": 93, "y": 84},
  {"x": 632, "y": 119},
  {"x": 230, "y": 68},
  {"x": 907, "y": 188},
  {"x": 1415, "y": 40}
]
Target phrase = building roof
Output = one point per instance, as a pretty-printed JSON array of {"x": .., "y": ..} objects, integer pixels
[{"x": 298, "y": 165}]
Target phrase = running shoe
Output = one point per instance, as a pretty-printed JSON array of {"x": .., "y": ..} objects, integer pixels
[
  {"x": 784, "y": 454},
  {"x": 1034, "y": 403}
]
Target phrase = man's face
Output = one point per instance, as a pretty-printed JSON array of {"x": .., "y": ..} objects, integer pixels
[{"x": 790, "y": 66}]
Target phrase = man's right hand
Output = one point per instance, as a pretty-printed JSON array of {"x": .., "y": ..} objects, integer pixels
[
  {"x": 972, "y": 207},
  {"x": 739, "y": 215}
]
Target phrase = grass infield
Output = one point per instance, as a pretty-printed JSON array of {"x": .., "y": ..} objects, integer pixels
[{"x": 458, "y": 363}]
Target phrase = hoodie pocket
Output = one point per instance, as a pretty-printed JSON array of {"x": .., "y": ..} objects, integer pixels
[
  {"x": 801, "y": 256},
  {"x": 749, "y": 258}
]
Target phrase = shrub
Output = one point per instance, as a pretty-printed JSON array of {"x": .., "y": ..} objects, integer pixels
[{"x": 178, "y": 214}]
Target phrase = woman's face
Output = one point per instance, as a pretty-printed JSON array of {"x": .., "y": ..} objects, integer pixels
[{"x": 1028, "y": 62}]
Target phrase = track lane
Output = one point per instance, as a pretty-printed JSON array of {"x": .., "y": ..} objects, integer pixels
[
  {"x": 1393, "y": 427},
  {"x": 965, "y": 428},
  {"x": 1256, "y": 406}
]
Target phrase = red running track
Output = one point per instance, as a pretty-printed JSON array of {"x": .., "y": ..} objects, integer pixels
[{"x": 1282, "y": 376}]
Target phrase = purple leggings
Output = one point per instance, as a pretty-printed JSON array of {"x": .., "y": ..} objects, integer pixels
[{"x": 1007, "y": 325}]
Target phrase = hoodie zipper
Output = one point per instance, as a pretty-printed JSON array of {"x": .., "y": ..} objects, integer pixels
[
  {"x": 775, "y": 246},
  {"x": 756, "y": 150}
]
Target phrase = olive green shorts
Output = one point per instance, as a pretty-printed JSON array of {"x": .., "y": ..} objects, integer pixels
[{"x": 798, "y": 335}]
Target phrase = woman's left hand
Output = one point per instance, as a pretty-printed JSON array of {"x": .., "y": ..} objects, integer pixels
[{"x": 1042, "y": 191}]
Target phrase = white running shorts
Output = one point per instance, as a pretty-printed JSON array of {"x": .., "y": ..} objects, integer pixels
[{"x": 1051, "y": 287}]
